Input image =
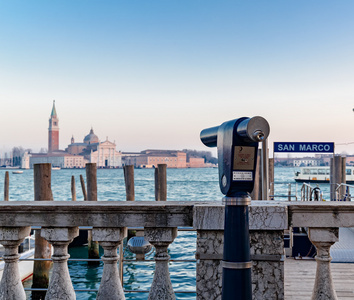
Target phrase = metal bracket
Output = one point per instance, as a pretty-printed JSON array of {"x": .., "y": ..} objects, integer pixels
[
  {"x": 238, "y": 201},
  {"x": 236, "y": 265}
]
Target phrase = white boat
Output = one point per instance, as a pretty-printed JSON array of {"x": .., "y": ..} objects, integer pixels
[
  {"x": 320, "y": 174},
  {"x": 25, "y": 266},
  {"x": 17, "y": 172},
  {"x": 55, "y": 168}
]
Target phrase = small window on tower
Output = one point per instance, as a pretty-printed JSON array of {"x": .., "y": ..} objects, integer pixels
[{"x": 55, "y": 123}]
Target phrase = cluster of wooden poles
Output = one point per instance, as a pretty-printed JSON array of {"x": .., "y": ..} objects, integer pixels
[{"x": 43, "y": 192}]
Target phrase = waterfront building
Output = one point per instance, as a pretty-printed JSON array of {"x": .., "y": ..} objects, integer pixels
[
  {"x": 59, "y": 159},
  {"x": 306, "y": 162},
  {"x": 104, "y": 154},
  {"x": 196, "y": 162},
  {"x": 76, "y": 155},
  {"x": 151, "y": 158}
]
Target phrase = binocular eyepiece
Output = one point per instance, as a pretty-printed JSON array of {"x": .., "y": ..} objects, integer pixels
[
  {"x": 237, "y": 142},
  {"x": 254, "y": 129}
]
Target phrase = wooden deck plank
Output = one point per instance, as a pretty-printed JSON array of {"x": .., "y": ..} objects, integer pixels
[{"x": 300, "y": 278}]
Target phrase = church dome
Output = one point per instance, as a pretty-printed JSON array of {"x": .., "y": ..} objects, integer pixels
[{"x": 91, "y": 138}]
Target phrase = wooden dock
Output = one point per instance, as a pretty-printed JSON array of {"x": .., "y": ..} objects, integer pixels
[{"x": 300, "y": 277}]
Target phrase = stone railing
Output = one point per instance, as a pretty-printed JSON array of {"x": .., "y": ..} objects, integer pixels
[{"x": 109, "y": 220}]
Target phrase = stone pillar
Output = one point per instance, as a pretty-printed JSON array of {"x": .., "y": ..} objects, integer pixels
[
  {"x": 267, "y": 255},
  {"x": 161, "y": 238},
  {"x": 323, "y": 239},
  {"x": 267, "y": 224},
  {"x": 11, "y": 286},
  {"x": 60, "y": 286},
  {"x": 209, "y": 270},
  {"x": 110, "y": 238}
]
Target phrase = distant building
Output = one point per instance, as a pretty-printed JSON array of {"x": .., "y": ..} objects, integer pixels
[
  {"x": 305, "y": 162},
  {"x": 58, "y": 159},
  {"x": 196, "y": 162},
  {"x": 76, "y": 155},
  {"x": 104, "y": 154},
  {"x": 151, "y": 158}
]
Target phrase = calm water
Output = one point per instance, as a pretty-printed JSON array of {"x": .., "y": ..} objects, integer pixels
[{"x": 183, "y": 185}]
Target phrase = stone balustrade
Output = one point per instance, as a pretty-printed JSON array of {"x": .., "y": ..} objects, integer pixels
[{"x": 109, "y": 221}]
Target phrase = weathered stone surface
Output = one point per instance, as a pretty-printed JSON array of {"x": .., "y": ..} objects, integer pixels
[
  {"x": 14, "y": 233},
  {"x": 97, "y": 214},
  {"x": 267, "y": 216},
  {"x": 109, "y": 234},
  {"x": 209, "y": 269},
  {"x": 323, "y": 234},
  {"x": 267, "y": 269},
  {"x": 267, "y": 249},
  {"x": 110, "y": 238},
  {"x": 321, "y": 214},
  {"x": 160, "y": 238},
  {"x": 262, "y": 215},
  {"x": 59, "y": 234},
  {"x": 323, "y": 239},
  {"x": 11, "y": 286},
  {"x": 165, "y": 235},
  {"x": 60, "y": 286}
]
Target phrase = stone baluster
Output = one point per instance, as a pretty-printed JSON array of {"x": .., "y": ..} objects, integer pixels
[
  {"x": 11, "y": 287},
  {"x": 323, "y": 239},
  {"x": 60, "y": 286},
  {"x": 161, "y": 238},
  {"x": 110, "y": 239}
]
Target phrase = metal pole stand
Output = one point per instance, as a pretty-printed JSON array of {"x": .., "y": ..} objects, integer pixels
[{"x": 236, "y": 277}]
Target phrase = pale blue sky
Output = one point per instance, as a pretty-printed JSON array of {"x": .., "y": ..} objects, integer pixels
[{"x": 152, "y": 74}]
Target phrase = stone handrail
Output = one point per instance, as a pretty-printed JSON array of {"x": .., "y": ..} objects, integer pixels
[{"x": 268, "y": 219}]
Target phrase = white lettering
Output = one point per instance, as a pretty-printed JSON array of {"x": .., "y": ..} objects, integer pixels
[
  {"x": 280, "y": 147},
  {"x": 320, "y": 148},
  {"x": 302, "y": 147},
  {"x": 314, "y": 148},
  {"x": 327, "y": 147}
]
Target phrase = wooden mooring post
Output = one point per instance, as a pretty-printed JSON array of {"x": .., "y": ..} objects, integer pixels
[
  {"x": 6, "y": 186},
  {"x": 82, "y": 181},
  {"x": 129, "y": 182},
  {"x": 73, "y": 190},
  {"x": 91, "y": 181},
  {"x": 161, "y": 182},
  {"x": 337, "y": 177},
  {"x": 128, "y": 172},
  {"x": 42, "y": 192}
]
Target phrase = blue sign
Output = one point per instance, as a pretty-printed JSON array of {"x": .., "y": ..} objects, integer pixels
[{"x": 304, "y": 147}]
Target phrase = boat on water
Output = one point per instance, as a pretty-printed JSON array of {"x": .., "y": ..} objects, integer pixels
[
  {"x": 56, "y": 168},
  {"x": 17, "y": 172},
  {"x": 320, "y": 174}
]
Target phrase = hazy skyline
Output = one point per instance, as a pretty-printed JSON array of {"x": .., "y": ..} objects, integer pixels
[{"x": 153, "y": 74}]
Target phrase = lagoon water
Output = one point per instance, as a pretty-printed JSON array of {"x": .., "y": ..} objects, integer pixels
[{"x": 182, "y": 185}]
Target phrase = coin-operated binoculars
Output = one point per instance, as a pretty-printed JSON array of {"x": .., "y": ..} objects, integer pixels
[{"x": 237, "y": 144}]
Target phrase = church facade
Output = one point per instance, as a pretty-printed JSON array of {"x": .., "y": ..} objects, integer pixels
[{"x": 76, "y": 155}]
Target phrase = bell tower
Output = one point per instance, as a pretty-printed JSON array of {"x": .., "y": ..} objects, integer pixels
[{"x": 53, "y": 131}]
